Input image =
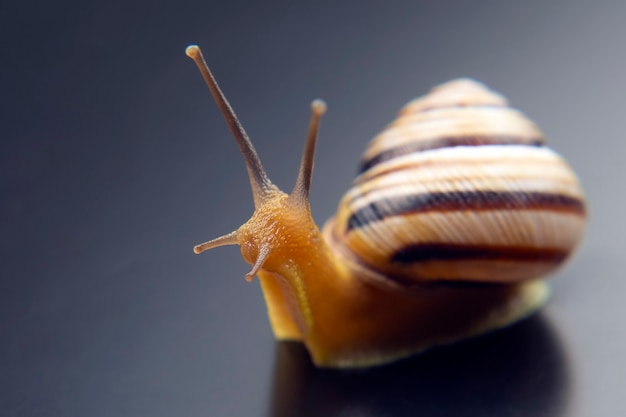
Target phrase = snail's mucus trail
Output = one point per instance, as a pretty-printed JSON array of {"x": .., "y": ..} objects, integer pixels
[{"x": 460, "y": 200}]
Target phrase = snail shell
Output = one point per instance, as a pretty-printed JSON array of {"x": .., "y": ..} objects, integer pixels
[{"x": 459, "y": 187}]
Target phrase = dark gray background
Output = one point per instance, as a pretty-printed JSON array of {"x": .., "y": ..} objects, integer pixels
[{"x": 114, "y": 161}]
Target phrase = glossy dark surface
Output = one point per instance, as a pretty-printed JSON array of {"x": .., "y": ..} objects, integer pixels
[
  {"x": 523, "y": 369},
  {"x": 114, "y": 162}
]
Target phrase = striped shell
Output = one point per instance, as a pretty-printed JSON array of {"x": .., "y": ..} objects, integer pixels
[{"x": 460, "y": 187}]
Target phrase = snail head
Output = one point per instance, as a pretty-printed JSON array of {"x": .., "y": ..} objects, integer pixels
[{"x": 280, "y": 221}]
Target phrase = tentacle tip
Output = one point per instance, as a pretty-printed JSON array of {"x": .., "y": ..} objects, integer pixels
[
  {"x": 197, "y": 250},
  {"x": 192, "y": 51},
  {"x": 318, "y": 107},
  {"x": 250, "y": 276}
]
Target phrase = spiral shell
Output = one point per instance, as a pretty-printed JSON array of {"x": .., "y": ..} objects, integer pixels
[{"x": 460, "y": 187}]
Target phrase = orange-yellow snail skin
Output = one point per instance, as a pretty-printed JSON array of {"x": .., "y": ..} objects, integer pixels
[{"x": 457, "y": 214}]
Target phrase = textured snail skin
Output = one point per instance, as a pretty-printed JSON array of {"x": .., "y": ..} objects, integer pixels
[{"x": 457, "y": 214}]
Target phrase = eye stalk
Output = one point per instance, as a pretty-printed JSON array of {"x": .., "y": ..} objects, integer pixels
[
  {"x": 259, "y": 180},
  {"x": 302, "y": 188},
  {"x": 275, "y": 212}
]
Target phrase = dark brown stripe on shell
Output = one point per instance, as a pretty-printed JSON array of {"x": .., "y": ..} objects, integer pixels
[
  {"x": 448, "y": 142},
  {"x": 456, "y": 201},
  {"x": 424, "y": 252}
]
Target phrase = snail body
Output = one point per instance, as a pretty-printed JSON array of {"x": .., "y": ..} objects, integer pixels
[{"x": 455, "y": 217}]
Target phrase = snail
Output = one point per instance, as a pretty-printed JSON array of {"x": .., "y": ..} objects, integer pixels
[{"x": 457, "y": 214}]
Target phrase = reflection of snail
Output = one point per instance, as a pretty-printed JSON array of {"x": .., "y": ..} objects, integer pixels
[
  {"x": 456, "y": 214},
  {"x": 523, "y": 370}
]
